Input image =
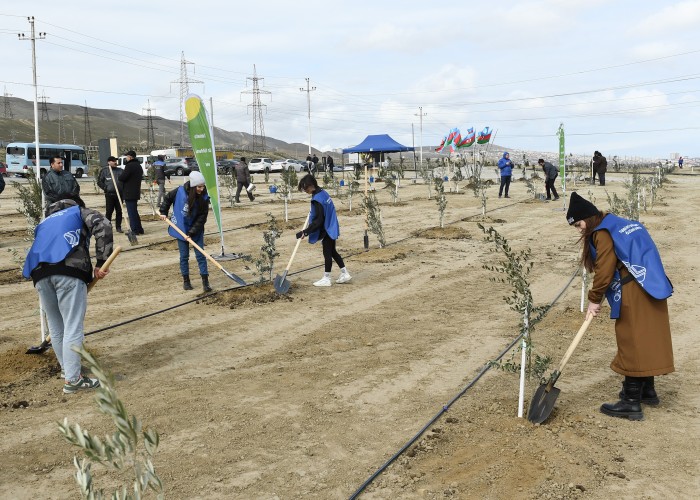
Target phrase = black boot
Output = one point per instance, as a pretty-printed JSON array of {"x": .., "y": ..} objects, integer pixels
[
  {"x": 205, "y": 283},
  {"x": 186, "y": 283},
  {"x": 649, "y": 396},
  {"x": 629, "y": 405}
]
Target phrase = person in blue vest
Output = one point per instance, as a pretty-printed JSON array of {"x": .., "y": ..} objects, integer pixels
[
  {"x": 323, "y": 226},
  {"x": 505, "y": 165},
  {"x": 190, "y": 209},
  {"x": 629, "y": 273},
  {"x": 58, "y": 263}
]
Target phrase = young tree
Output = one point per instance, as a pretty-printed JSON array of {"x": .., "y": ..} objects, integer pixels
[
  {"x": 440, "y": 198},
  {"x": 370, "y": 205}
]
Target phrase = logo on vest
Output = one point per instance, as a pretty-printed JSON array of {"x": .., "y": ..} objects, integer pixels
[
  {"x": 639, "y": 272},
  {"x": 72, "y": 237}
]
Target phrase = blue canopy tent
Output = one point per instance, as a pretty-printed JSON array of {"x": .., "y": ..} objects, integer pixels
[
  {"x": 377, "y": 146},
  {"x": 381, "y": 143}
]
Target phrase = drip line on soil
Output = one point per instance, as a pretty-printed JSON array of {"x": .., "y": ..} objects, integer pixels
[
  {"x": 200, "y": 297},
  {"x": 451, "y": 402}
]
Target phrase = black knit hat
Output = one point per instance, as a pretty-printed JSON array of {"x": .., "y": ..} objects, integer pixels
[{"x": 579, "y": 209}]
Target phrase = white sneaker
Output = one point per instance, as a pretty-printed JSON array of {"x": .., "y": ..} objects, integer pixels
[
  {"x": 344, "y": 277},
  {"x": 325, "y": 281}
]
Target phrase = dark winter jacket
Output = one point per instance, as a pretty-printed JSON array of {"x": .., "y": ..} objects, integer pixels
[
  {"x": 159, "y": 170},
  {"x": 600, "y": 164},
  {"x": 550, "y": 171},
  {"x": 77, "y": 264},
  {"x": 59, "y": 185},
  {"x": 132, "y": 177},
  {"x": 242, "y": 173},
  {"x": 104, "y": 180},
  {"x": 202, "y": 208}
]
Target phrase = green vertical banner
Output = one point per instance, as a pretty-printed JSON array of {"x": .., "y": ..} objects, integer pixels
[
  {"x": 562, "y": 157},
  {"x": 202, "y": 139}
]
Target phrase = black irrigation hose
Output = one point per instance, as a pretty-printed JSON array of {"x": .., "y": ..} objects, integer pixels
[{"x": 450, "y": 403}]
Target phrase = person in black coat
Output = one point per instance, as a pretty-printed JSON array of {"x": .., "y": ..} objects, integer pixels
[
  {"x": 550, "y": 175},
  {"x": 131, "y": 179}
]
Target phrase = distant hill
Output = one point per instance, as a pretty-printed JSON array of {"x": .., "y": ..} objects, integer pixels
[{"x": 128, "y": 127}]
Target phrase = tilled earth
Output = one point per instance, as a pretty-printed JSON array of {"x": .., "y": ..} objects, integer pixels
[{"x": 257, "y": 395}]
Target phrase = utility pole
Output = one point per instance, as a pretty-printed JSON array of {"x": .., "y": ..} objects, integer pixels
[
  {"x": 7, "y": 104},
  {"x": 421, "y": 115},
  {"x": 37, "y": 163},
  {"x": 308, "y": 91},
  {"x": 258, "y": 127},
  {"x": 150, "y": 129},
  {"x": 44, "y": 108},
  {"x": 184, "y": 83},
  {"x": 87, "y": 132}
]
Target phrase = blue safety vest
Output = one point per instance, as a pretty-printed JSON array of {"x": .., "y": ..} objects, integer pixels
[
  {"x": 182, "y": 217},
  {"x": 638, "y": 253},
  {"x": 330, "y": 223},
  {"x": 54, "y": 238}
]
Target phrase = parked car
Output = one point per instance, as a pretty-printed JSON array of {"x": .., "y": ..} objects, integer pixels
[
  {"x": 180, "y": 166},
  {"x": 279, "y": 165},
  {"x": 3, "y": 169},
  {"x": 226, "y": 166},
  {"x": 260, "y": 165}
]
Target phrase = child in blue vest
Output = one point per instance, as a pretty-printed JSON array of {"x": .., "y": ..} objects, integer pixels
[
  {"x": 628, "y": 271},
  {"x": 190, "y": 208},
  {"x": 324, "y": 227}
]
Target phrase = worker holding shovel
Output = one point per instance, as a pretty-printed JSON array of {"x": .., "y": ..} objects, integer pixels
[
  {"x": 323, "y": 226},
  {"x": 629, "y": 272},
  {"x": 58, "y": 263},
  {"x": 190, "y": 208}
]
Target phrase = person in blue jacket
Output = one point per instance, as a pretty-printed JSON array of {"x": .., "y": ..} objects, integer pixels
[
  {"x": 506, "y": 168},
  {"x": 629, "y": 273},
  {"x": 59, "y": 264},
  {"x": 323, "y": 226},
  {"x": 190, "y": 208}
]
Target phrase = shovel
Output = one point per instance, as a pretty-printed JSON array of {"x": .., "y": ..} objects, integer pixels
[
  {"x": 546, "y": 394},
  {"x": 235, "y": 278},
  {"x": 41, "y": 348},
  {"x": 281, "y": 283},
  {"x": 129, "y": 233}
]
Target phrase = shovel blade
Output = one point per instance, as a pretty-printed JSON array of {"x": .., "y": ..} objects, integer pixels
[
  {"x": 542, "y": 404},
  {"x": 132, "y": 237},
  {"x": 235, "y": 278},
  {"x": 279, "y": 280},
  {"x": 283, "y": 287},
  {"x": 39, "y": 349}
]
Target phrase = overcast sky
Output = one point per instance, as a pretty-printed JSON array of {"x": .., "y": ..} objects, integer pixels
[{"x": 623, "y": 76}]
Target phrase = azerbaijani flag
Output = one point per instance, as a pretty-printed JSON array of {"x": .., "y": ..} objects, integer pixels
[
  {"x": 202, "y": 140},
  {"x": 442, "y": 145},
  {"x": 484, "y": 136},
  {"x": 468, "y": 140}
]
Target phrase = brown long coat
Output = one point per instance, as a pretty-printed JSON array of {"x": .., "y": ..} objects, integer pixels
[{"x": 642, "y": 331}]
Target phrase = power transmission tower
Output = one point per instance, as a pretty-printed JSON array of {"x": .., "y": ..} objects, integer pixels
[
  {"x": 421, "y": 115},
  {"x": 7, "y": 104},
  {"x": 44, "y": 108},
  {"x": 184, "y": 83},
  {"x": 87, "y": 132},
  {"x": 258, "y": 126},
  {"x": 150, "y": 129},
  {"x": 308, "y": 91}
]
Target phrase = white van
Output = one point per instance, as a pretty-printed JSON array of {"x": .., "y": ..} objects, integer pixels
[{"x": 144, "y": 160}]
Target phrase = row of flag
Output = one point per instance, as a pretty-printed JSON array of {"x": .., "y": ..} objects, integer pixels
[{"x": 454, "y": 140}]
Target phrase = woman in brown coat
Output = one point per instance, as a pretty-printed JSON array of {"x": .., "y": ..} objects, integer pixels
[{"x": 628, "y": 270}]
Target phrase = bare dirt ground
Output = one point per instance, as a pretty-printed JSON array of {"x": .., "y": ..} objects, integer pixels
[{"x": 306, "y": 396}]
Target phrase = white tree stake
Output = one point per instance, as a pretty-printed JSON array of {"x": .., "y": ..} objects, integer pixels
[{"x": 521, "y": 396}]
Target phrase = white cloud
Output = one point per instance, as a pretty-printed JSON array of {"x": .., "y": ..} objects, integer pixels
[{"x": 670, "y": 19}]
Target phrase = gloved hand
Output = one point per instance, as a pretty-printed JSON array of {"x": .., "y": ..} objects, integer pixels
[{"x": 300, "y": 234}]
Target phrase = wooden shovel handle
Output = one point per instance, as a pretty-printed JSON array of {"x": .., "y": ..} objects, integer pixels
[
  {"x": 575, "y": 342},
  {"x": 105, "y": 266},
  {"x": 296, "y": 247},
  {"x": 189, "y": 240}
]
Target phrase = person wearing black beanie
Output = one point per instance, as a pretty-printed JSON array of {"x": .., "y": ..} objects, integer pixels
[{"x": 629, "y": 273}]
